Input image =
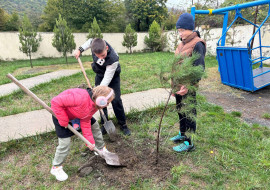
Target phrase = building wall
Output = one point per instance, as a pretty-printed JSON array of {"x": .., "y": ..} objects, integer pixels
[{"x": 237, "y": 36}]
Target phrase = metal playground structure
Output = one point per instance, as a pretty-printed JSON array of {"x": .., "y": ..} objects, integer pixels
[{"x": 236, "y": 65}]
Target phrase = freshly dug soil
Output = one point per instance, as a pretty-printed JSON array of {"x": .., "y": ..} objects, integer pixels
[{"x": 138, "y": 163}]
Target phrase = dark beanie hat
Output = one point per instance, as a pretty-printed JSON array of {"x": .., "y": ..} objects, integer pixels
[{"x": 185, "y": 21}]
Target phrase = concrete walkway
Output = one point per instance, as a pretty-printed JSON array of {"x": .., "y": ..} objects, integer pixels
[
  {"x": 34, "y": 81},
  {"x": 36, "y": 122}
]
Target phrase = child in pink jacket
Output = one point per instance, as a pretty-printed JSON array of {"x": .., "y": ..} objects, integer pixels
[{"x": 81, "y": 104}]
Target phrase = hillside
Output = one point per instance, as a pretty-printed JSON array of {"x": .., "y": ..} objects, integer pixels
[{"x": 33, "y": 8}]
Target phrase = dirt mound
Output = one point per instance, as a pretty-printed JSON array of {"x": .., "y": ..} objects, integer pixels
[{"x": 139, "y": 160}]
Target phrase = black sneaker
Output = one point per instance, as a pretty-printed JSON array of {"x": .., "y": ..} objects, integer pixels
[
  {"x": 103, "y": 130},
  {"x": 125, "y": 130}
]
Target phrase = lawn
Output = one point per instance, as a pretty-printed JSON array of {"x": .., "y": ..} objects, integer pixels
[
  {"x": 139, "y": 72},
  {"x": 229, "y": 154}
]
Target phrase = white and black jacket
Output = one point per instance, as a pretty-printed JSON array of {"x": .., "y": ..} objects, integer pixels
[{"x": 106, "y": 68}]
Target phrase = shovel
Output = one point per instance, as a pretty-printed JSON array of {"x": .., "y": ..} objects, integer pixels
[
  {"x": 108, "y": 125},
  {"x": 110, "y": 158}
]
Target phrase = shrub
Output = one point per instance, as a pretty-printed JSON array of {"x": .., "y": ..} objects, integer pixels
[
  {"x": 130, "y": 38},
  {"x": 156, "y": 41}
]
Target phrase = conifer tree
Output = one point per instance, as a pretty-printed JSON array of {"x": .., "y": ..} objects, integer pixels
[
  {"x": 130, "y": 38},
  {"x": 28, "y": 38},
  {"x": 63, "y": 39},
  {"x": 180, "y": 71},
  {"x": 156, "y": 40},
  {"x": 94, "y": 31}
]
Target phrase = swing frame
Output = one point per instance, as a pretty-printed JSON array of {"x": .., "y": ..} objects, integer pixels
[{"x": 236, "y": 63}]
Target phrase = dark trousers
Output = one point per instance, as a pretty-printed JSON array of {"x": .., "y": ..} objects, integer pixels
[
  {"x": 63, "y": 132},
  {"x": 185, "y": 122},
  {"x": 117, "y": 104}
]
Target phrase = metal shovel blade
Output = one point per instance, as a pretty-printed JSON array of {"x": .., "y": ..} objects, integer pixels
[
  {"x": 109, "y": 127},
  {"x": 110, "y": 158}
]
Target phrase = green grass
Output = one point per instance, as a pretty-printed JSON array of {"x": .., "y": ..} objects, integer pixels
[
  {"x": 266, "y": 115},
  {"x": 229, "y": 155},
  {"x": 11, "y": 66},
  {"x": 140, "y": 71},
  {"x": 210, "y": 61},
  {"x": 236, "y": 114}
]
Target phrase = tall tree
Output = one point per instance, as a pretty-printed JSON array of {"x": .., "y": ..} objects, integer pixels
[
  {"x": 63, "y": 39},
  {"x": 94, "y": 31},
  {"x": 118, "y": 21},
  {"x": 28, "y": 38},
  {"x": 130, "y": 38},
  {"x": 13, "y": 23},
  {"x": 3, "y": 19},
  {"x": 144, "y": 12},
  {"x": 51, "y": 11},
  {"x": 80, "y": 13},
  {"x": 171, "y": 19}
]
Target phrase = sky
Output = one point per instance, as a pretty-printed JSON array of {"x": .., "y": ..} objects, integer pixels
[
  {"x": 179, "y": 3},
  {"x": 183, "y": 3}
]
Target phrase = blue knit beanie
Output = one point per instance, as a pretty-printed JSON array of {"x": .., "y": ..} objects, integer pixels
[{"x": 185, "y": 21}]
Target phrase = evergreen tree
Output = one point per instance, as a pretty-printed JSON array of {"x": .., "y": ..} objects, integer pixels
[
  {"x": 156, "y": 40},
  {"x": 28, "y": 38},
  {"x": 130, "y": 38},
  {"x": 94, "y": 31},
  {"x": 63, "y": 39},
  {"x": 177, "y": 72}
]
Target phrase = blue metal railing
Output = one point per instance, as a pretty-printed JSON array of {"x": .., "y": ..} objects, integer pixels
[{"x": 225, "y": 11}]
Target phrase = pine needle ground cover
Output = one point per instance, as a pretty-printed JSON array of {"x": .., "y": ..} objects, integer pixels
[{"x": 229, "y": 154}]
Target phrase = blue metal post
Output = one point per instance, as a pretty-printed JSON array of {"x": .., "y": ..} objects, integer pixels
[
  {"x": 260, "y": 41},
  {"x": 193, "y": 9},
  {"x": 225, "y": 23}
]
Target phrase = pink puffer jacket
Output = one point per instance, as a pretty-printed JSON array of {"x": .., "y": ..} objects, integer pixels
[{"x": 75, "y": 103}]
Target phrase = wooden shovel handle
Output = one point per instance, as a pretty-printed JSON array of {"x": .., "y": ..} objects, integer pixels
[
  {"x": 43, "y": 104},
  {"x": 89, "y": 85},
  {"x": 84, "y": 73}
]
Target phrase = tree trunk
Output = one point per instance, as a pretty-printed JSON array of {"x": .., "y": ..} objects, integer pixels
[
  {"x": 66, "y": 59},
  {"x": 30, "y": 60},
  {"x": 138, "y": 25},
  {"x": 130, "y": 50},
  {"x": 159, "y": 126}
]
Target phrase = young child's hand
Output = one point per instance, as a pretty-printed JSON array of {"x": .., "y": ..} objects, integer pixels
[
  {"x": 77, "y": 53},
  {"x": 183, "y": 90},
  {"x": 91, "y": 146}
]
